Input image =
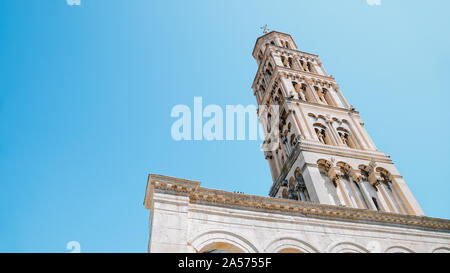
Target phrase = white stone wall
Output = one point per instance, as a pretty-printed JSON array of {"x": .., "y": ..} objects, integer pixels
[{"x": 180, "y": 226}]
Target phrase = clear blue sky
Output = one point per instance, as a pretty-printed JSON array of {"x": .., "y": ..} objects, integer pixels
[{"x": 86, "y": 93}]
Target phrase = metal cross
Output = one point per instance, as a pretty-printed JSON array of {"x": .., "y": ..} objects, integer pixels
[{"x": 265, "y": 29}]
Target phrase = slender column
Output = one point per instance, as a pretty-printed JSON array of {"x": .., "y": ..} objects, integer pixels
[
  {"x": 330, "y": 96},
  {"x": 336, "y": 175},
  {"x": 388, "y": 199},
  {"x": 308, "y": 128},
  {"x": 365, "y": 191},
  {"x": 405, "y": 194},
  {"x": 381, "y": 198},
  {"x": 357, "y": 134},
  {"x": 362, "y": 134},
  {"x": 338, "y": 91},
  {"x": 396, "y": 198},
  {"x": 374, "y": 179},
  {"x": 392, "y": 197},
  {"x": 298, "y": 130},
  {"x": 297, "y": 62},
  {"x": 287, "y": 91},
  {"x": 355, "y": 193},
  {"x": 322, "y": 68},
  {"x": 345, "y": 194},
  {"x": 336, "y": 140},
  {"x": 312, "y": 91}
]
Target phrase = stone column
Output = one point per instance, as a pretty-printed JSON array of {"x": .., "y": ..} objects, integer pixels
[
  {"x": 355, "y": 193},
  {"x": 374, "y": 180},
  {"x": 365, "y": 192},
  {"x": 336, "y": 176},
  {"x": 338, "y": 91},
  {"x": 387, "y": 197},
  {"x": 322, "y": 68},
  {"x": 396, "y": 198},
  {"x": 405, "y": 194},
  {"x": 345, "y": 194},
  {"x": 312, "y": 92},
  {"x": 310, "y": 134},
  {"x": 335, "y": 137}
]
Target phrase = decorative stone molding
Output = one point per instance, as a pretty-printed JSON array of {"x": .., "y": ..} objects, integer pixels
[
  {"x": 205, "y": 196},
  {"x": 167, "y": 184}
]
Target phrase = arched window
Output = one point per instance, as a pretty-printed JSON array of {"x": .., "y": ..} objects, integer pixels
[
  {"x": 301, "y": 188},
  {"x": 303, "y": 65},
  {"x": 284, "y": 61},
  {"x": 262, "y": 90},
  {"x": 321, "y": 133},
  {"x": 327, "y": 97},
  {"x": 310, "y": 67},
  {"x": 285, "y": 44},
  {"x": 393, "y": 197},
  {"x": 301, "y": 91},
  {"x": 267, "y": 76},
  {"x": 269, "y": 122},
  {"x": 346, "y": 138},
  {"x": 320, "y": 94},
  {"x": 290, "y": 62}
]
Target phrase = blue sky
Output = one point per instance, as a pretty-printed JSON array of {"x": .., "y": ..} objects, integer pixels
[{"x": 86, "y": 93}]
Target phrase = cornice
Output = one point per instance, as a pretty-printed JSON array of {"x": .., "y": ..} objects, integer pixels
[
  {"x": 323, "y": 106},
  {"x": 205, "y": 196},
  {"x": 313, "y": 76},
  {"x": 161, "y": 183}
]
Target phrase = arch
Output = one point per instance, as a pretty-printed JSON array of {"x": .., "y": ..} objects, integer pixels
[
  {"x": 346, "y": 247},
  {"x": 221, "y": 247},
  {"x": 347, "y": 137},
  {"x": 441, "y": 250},
  {"x": 327, "y": 96},
  {"x": 222, "y": 240},
  {"x": 383, "y": 171},
  {"x": 365, "y": 171},
  {"x": 398, "y": 249},
  {"x": 322, "y": 133},
  {"x": 344, "y": 166},
  {"x": 289, "y": 244}
]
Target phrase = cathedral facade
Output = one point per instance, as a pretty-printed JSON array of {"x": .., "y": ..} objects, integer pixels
[{"x": 333, "y": 190}]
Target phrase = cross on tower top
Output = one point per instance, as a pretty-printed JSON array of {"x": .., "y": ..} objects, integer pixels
[{"x": 265, "y": 29}]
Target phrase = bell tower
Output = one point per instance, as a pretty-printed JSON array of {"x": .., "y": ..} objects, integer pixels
[{"x": 323, "y": 153}]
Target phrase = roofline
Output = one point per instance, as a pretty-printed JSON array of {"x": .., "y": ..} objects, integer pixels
[{"x": 273, "y": 31}]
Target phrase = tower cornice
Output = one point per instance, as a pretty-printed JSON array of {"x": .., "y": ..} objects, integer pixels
[{"x": 259, "y": 39}]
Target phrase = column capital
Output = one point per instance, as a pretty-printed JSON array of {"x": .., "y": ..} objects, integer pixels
[{"x": 335, "y": 174}]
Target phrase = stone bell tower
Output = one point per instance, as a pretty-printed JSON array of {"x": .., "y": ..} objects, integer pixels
[{"x": 323, "y": 153}]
